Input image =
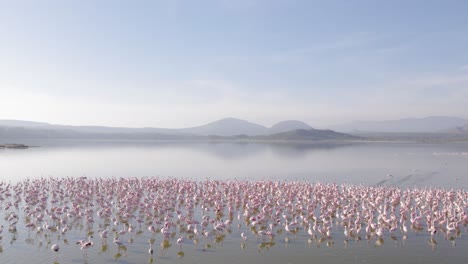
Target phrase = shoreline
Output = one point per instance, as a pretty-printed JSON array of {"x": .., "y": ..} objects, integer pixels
[
  {"x": 14, "y": 146},
  {"x": 247, "y": 141}
]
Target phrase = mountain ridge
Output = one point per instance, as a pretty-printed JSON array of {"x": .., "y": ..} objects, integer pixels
[
  {"x": 288, "y": 125},
  {"x": 223, "y": 129},
  {"x": 229, "y": 127}
]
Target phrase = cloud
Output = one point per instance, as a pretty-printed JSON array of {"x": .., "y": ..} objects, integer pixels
[{"x": 344, "y": 42}]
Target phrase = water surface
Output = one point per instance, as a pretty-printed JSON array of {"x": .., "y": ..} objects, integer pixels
[
  {"x": 400, "y": 164},
  {"x": 403, "y": 165}
]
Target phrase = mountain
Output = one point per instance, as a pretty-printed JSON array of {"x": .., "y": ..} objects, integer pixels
[
  {"x": 20, "y": 123},
  {"x": 83, "y": 129},
  {"x": 113, "y": 130},
  {"x": 288, "y": 125},
  {"x": 233, "y": 127},
  {"x": 227, "y": 127},
  {"x": 21, "y": 133},
  {"x": 433, "y": 124},
  {"x": 310, "y": 134},
  {"x": 224, "y": 129}
]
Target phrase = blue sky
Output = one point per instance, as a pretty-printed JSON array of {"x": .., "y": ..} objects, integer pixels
[{"x": 182, "y": 63}]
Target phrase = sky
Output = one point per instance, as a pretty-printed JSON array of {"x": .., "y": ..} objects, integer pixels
[{"x": 174, "y": 63}]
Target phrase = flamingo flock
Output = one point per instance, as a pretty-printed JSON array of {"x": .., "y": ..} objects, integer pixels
[{"x": 206, "y": 212}]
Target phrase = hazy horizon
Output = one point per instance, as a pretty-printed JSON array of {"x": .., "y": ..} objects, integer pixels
[
  {"x": 247, "y": 120},
  {"x": 177, "y": 64}
]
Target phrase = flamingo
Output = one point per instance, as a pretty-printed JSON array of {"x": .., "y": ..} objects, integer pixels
[
  {"x": 180, "y": 240},
  {"x": 311, "y": 208},
  {"x": 432, "y": 229},
  {"x": 55, "y": 247},
  {"x": 87, "y": 244},
  {"x": 117, "y": 242},
  {"x": 244, "y": 237},
  {"x": 84, "y": 245},
  {"x": 310, "y": 231},
  {"x": 103, "y": 233},
  {"x": 150, "y": 250}
]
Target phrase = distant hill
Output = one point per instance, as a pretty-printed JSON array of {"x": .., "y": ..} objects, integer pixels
[
  {"x": 227, "y": 127},
  {"x": 310, "y": 134},
  {"x": 433, "y": 128},
  {"x": 287, "y": 125},
  {"x": 224, "y": 129},
  {"x": 458, "y": 130},
  {"x": 83, "y": 129},
  {"x": 433, "y": 124},
  {"x": 233, "y": 127},
  {"x": 20, "y": 123},
  {"x": 21, "y": 133}
]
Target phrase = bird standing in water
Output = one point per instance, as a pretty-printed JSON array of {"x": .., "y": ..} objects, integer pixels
[{"x": 55, "y": 247}]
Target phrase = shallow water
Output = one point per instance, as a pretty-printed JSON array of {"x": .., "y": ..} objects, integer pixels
[
  {"x": 401, "y": 165},
  {"x": 166, "y": 197}
]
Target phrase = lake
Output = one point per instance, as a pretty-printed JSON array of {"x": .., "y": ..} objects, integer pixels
[{"x": 401, "y": 165}]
